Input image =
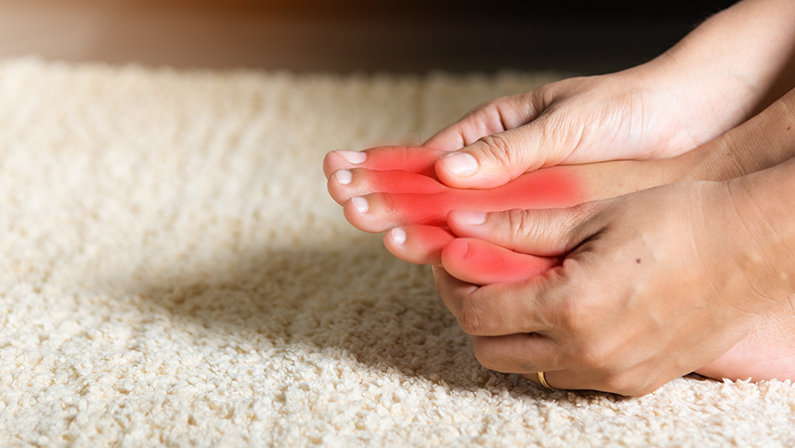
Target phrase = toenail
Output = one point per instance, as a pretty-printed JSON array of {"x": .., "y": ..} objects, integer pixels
[
  {"x": 461, "y": 165},
  {"x": 353, "y": 156},
  {"x": 398, "y": 236},
  {"x": 470, "y": 217},
  {"x": 360, "y": 204},
  {"x": 344, "y": 177}
]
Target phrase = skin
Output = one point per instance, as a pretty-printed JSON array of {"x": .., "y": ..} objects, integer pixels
[
  {"x": 610, "y": 318},
  {"x": 724, "y": 72},
  {"x": 765, "y": 141},
  {"x": 394, "y": 180}
]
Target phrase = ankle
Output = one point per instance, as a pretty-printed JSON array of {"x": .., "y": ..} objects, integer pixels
[{"x": 762, "y": 142}]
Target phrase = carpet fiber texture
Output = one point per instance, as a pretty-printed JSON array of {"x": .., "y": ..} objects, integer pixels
[{"x": 173, "y": 273}]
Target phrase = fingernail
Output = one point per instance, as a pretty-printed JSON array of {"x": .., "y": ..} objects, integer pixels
[
  {"x": 398, "y": 236},
  {"x": 461, "y": 165},
  {"x": 353, "y": 156},
  {"x": 470, "y": 217},
  {"x": 360, "y": 204},
  {"x": 344, "y": 177}
]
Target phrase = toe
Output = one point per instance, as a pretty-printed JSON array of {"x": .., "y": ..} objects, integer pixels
[
  {"x": 371, "y": 213},
  {"x": 418, "y": 160},
  {"x": 476, "y": 261},
  {"x": 379, "y": 212},
  {"x": 340, "y": 160},
  {"x": 418, "y": 244},
  {"x": 347, "y": 183}
]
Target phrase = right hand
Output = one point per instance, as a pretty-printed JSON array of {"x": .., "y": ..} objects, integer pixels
[{"x": 647, "y": 112}]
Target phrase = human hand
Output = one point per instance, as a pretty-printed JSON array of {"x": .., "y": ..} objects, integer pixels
[
  {"x": 653, "y": 285},
  {"x": 642, "y": 113},
  {"x": 411, "y": 198},
  {"x": 400, "y": 188},
  {"x": 724, "y": 72}
]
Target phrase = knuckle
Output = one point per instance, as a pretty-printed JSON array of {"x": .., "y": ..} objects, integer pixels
[
  {"x": 490, "y": 358},
  {"x": 520, "y": 227},
  {"x": 482, "y": 108},
  {"x": 469, "y": 317},
  {"x": 573, "y": 314},
  {"x": 498, "y": 149},
  {"x": 486, "y": 357},
  {"x": 488, "y": 112},
  {"x": 594, "y": 358},
  {"x": 583, "y": 210},
  {"x": 582, "y": 218}
]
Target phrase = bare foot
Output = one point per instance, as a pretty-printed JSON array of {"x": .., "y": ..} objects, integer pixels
[
  {"x": 399, "y": 190},
  {"x": 381, "y": 189},
  {"x": 767, "y": 352},
  {"x": 396, "y": 188}
]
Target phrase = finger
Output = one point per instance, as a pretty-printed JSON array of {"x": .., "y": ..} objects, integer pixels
[
  {"x": 419, "y": 160},
  {"x": 418, "y": 244},
  {"x": 347, "y": 183},
  {"x": 497, "y": 159},
  {"x": 586, "y": 379},
  {"x": 545, "y": 232},
  {"x": 489, "y": 118},
  {"x": 528, "y": 354},
  {"x": 518, "y": 353},
  {"x": 565, "y": 380},
  {"x": 482, "y": 263},
  {"x": 501, "y": 308}
]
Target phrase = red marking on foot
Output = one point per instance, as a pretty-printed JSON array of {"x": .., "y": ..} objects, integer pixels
[
  {"x": 403, "y": 182},
  {"x": 481, "y": 263},
  {"x": 547, "y": 188},
  {"x": 417, "y": 159}
]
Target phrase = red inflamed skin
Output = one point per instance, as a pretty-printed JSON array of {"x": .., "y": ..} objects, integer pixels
[
  {"x": 478, "y": 262},
  {"x": 389, "y": 187},
  {"x": 396, "y": 188},
  {"x": 375, "y": 201},
  {"x": 468, "y": 259},
  {"x": 414, "y": 159}
]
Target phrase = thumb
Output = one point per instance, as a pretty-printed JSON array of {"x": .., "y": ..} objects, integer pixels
[
  {"x": 544, "y": 232},
  {"x": 497, "y": 159}
]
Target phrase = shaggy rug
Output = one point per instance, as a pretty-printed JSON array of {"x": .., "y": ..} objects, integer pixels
[{"x": 173, "y": 273}]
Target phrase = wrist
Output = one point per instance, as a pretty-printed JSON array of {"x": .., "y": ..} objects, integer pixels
[{"x": 732, "y": 66}]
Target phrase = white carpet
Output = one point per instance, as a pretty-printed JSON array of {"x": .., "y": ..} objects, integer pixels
[{"x": 173, "y": 273}]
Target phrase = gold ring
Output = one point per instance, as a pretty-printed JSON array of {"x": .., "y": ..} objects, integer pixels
[{"x": 544, "y": 381}]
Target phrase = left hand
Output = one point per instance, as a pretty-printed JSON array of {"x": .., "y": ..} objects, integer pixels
[{"x": 654, "y": 285}]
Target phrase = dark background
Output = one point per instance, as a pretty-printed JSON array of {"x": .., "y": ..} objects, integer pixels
[
  {"x": 688, "y": 9},
  {"x": 399, "y": 36}
]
